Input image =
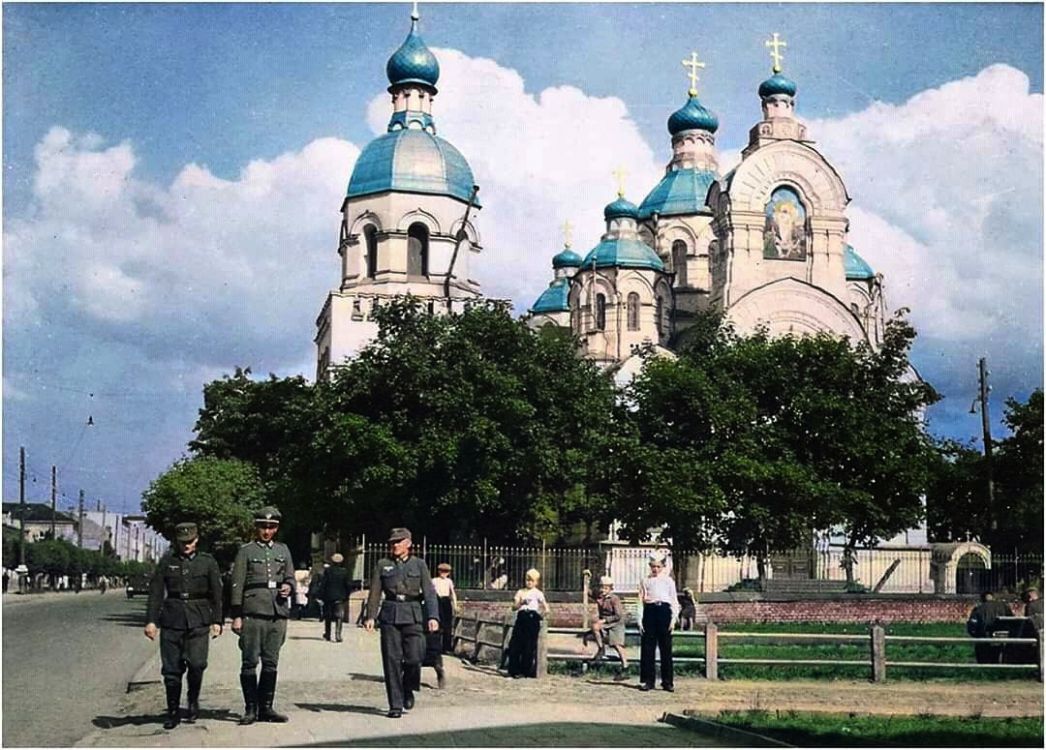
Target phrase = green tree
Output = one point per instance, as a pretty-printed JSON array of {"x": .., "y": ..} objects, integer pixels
[
  {"x": 955, "y": 499},
  {"x": 217, "y": 494},
  {"x": 750, "y": 443},
  {"x": 464, "y": 425},
  {"x": 1019, "y": 478}
]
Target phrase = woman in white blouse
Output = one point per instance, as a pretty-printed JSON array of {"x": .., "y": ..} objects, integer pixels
[
  {"x": 660, "y": 603},
  {"x": 531, "y": 608}
]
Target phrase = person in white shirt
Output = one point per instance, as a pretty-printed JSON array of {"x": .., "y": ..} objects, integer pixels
[
  {"x": 657, "y": 593},
  {"x": 531, "y": 607}
]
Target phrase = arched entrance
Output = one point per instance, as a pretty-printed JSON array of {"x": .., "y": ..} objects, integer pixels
[{"x": 960, "y": 567}]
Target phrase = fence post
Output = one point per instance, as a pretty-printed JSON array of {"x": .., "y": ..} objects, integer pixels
[
  {"x": 711, "y": 651},
  {"x": 586, "y": 582},
  {"x": 542, "y": 665},
  {"x": 1042, "y": 655},
  {"x": 484, "y": 563},
  {"x": 878, "y": 653}
]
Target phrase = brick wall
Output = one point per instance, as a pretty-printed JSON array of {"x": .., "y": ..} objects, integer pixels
[{"x": 837, "y": 608}]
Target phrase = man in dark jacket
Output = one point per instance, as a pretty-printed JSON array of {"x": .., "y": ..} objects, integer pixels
[
  {"x": 185, "y": 600},
  {"x": 409, "y": 602},
  {"x": 262, "y": 584},
  {"x": 981, "y": 624},
  {"x": 334, "y": 591}
]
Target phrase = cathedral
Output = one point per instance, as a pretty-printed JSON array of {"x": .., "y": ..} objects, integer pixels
[{"x": 764, "y": 244}]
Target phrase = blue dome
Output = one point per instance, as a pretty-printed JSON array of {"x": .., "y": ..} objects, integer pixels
[
  {"x": 566, "y": 258},
  {"x": 411, "y": 161},
  {"x": 680, "y": 192},
  {"x": 554, "y": 299},
  {"x": 620, "y": 208},
  {"x": 777, "y": 84},
  {"x": 856, "y": 267},
  {"x": 413, "y": 62},
  {"x": 622, "y": 253},
  {"x": 691, "y": 116}
]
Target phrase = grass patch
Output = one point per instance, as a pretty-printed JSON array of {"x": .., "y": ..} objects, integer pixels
[
  {"x": 757, "y": 648},
  {"x": 849, "y": 730}
]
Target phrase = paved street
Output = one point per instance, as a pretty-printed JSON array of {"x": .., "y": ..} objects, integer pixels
[{"x": 66, "y": 657}]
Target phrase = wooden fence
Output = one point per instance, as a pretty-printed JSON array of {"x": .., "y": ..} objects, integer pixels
[{"x": 876, "y": 639}]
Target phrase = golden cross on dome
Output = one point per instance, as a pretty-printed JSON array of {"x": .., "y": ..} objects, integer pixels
[
  {"x": 693, "y": 65},
  {"x": 775, "y": 45},
  {"x": 567, "y": 227},
  {"x": 620, "y": 174}
]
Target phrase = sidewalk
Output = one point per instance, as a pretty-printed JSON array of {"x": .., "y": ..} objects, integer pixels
[{"x": 333, "y": 694}]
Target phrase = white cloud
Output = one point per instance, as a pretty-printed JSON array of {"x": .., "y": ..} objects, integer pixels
[{"x": 947, "y": 203}]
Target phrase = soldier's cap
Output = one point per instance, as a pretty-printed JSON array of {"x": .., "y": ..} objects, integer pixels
[
  {"x": 337, "y": 557},
  {"x": 606, "y": 581},
  {"x": 185, "y": 532},
  {"x": 398, "y": 534},
  {"x": 444, "y": 566},
  {"x": 268, "y": 514}
]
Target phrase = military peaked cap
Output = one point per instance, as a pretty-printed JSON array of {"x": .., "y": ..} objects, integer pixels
[
  {"x": 268, "y": 514},
  {"x": 399, "y": 533},
  {"x": 185, "y": 532}
]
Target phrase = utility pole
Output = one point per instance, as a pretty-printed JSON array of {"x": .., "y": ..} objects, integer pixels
[
  {"x": 21, "y": 506},
  {"x": 80, "y": 523},
  {"x": 54, "y": 497},
  {"x": 985, "y": 389}
]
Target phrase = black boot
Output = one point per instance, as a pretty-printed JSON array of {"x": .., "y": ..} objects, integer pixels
[
  {"x": 327, "y": 630},
  {"x": 195, "y": 681},
  {"x": 249, "y": 685},
  {"x": 174, "y": 696},
  {"x": 266, "y": 695},
  {"x": 337, "y": 631},
  {"x": 441, "y": 678}
]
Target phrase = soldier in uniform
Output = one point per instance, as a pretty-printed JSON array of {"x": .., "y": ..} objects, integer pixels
[
  {"x": 185, "y": 600},
  {"x": 407, "y": 587},
  {"x": 262, "y": 584}
]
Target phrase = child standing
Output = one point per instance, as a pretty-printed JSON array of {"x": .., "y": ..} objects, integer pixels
[{"x": 531, "y": 607}]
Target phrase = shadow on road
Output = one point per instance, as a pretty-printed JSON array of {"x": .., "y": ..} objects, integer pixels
[
  {"x": 111, "y": 722},
  {"x": 128, "y": 620},
  {"x": 360, "y": 677},
  {"x": 342, "y": 708}
]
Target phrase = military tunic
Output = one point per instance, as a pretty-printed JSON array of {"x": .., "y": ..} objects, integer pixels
[
  {"x": 259, "y": 571},
  {"x": 185, "y": 599},
  {"x": 409, "y": 602}
]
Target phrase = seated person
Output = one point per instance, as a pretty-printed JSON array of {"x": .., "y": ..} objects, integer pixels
[
  {"x": 687, "y": 609},
  {"x": 608, "y": 629}
]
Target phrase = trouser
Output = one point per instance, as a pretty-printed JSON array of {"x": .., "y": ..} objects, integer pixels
[
  {"x": 523, "y": 648},
  {"x": 657, "y": 634},
  {"x": 402, "y": 650},
  {"x": 446, "y": 624},
  {"x": 261, "y": 639},
  {"x": 182, "y": 650},
  {"x": 333, "y": 612}
]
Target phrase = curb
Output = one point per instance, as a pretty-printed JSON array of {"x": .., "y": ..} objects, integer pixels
[{"x": 742, "y": 737}]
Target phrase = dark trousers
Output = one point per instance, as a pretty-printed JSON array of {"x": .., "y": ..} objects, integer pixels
[
  {"x": 446, "y": 624},
  {"x": 657, "y": 634},
  {"x": 402, "y": 650},
  {"x": 261, "y": 639},
  {"x": 523, "y": 648},
  {"x": 333, "y": 612},
  {"x": 182, "y": 650}
]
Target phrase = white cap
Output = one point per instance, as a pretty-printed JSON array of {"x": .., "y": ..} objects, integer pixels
[{"x": 606, "y": 581}]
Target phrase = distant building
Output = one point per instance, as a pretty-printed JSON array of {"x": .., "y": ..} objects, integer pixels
[{"x": 38, "y": 521}]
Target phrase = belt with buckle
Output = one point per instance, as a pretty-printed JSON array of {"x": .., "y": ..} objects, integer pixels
[
  {"x": 251, "y": 586},
  {"x": 406, "y": 598}
]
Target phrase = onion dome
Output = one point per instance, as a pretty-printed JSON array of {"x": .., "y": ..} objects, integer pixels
[
  {"x": 681, "y": 192},
  {"x": 856, "y": 267},
  {"x": 620, "y": 252},
  {"x": 692, "y": 116},
  {"x": 566, "y": 258},
  {"x": 555, "y": 298},
  {"x": 621, "y": 208},
  {"x": 411, "y": 161},
  {"x": 413, "y": 62},
  {"x": 777, "y": 84}
]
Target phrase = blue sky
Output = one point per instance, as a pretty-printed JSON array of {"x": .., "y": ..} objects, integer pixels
[{"x": 173, "y": 175}]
